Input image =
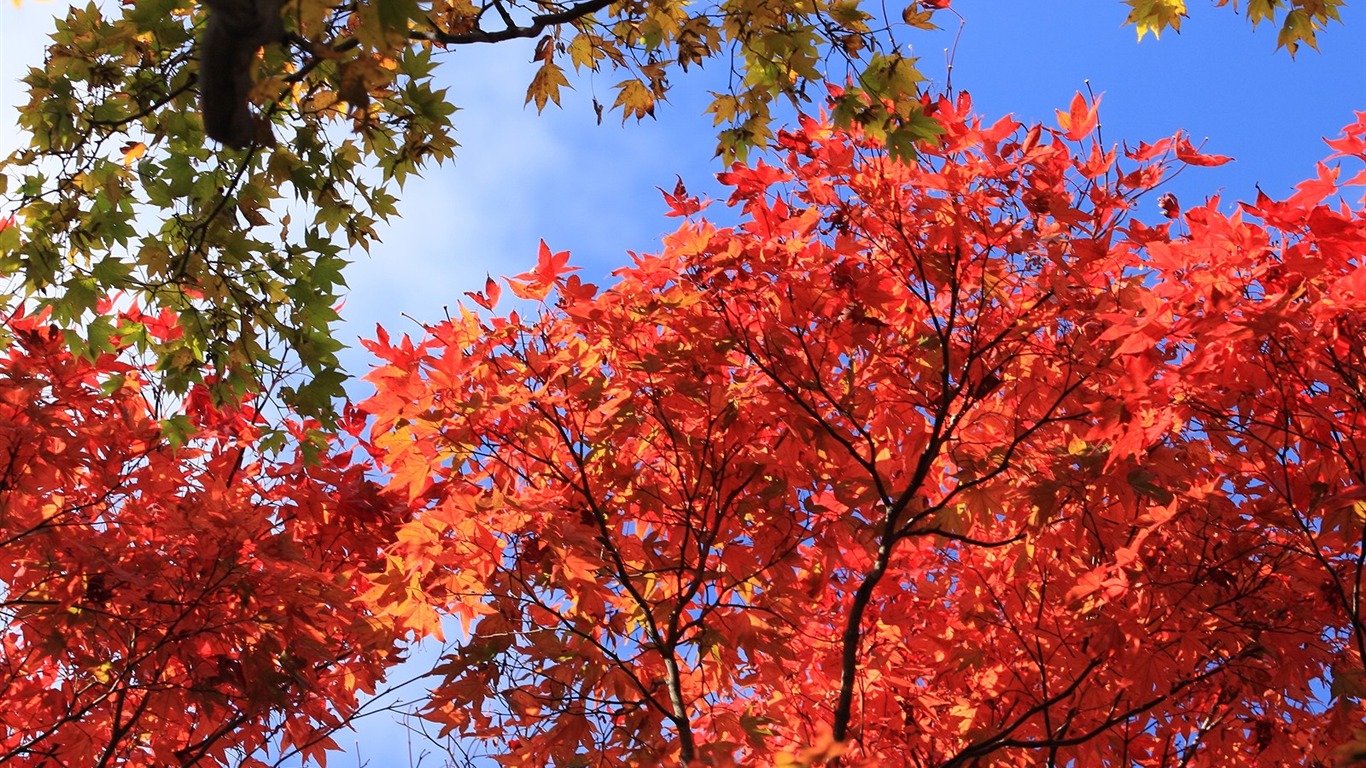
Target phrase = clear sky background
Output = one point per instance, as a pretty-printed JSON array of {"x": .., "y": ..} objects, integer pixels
[{"x": 591, "y": 189}]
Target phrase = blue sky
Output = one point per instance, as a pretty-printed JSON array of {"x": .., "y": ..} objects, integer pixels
[{"x": 591, "y": 189}]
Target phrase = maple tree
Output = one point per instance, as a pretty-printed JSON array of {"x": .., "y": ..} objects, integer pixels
[
  {"x": 945, "y": 462},
  {"x": 120, "y": 194},
  {"x": 171, "y": 600},
  {"x": 936, "y": 461}
]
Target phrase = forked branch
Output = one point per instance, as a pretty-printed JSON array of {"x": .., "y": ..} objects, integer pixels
[{"x": 534, "y": 28}]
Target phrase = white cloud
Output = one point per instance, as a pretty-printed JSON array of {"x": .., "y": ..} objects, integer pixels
[
  {"x": 26, "y": 29},
  {"x": 519, "y": 177}
]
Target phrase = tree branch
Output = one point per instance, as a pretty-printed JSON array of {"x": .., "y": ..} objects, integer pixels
[{"x": 536, "y": 27}]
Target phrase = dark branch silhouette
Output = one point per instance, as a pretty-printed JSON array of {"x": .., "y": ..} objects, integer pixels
[{"x": 236, "y": 30}]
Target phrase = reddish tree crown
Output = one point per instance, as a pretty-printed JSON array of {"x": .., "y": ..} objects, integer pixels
[{"x": 953, "y": 462}]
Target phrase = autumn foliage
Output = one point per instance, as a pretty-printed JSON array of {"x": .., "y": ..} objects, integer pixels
[
  {"x": 168, "y": 602},
  {"x": 122, "y": 193},
  {"x": 954, "y": 462},
  {"x": 950, "y": 462}
]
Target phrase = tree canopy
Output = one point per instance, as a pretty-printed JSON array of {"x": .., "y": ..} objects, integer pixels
[
  {"x": 164, "y": 601},
  {"x": 120, "y": 194},
  {"x": 943, "y": 455},
  {"x": 939, "y": 463}
]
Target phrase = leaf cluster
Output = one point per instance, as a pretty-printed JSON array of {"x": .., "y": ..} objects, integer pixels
[
  {"x": 171, "y": 600},
  {"x": 1300, "y": 20}
]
